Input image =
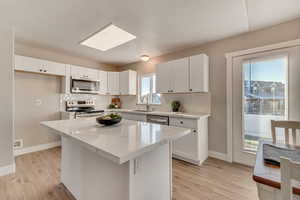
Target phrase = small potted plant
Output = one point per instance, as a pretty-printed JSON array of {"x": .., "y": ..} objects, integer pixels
[{"x": 175, "y": 106}]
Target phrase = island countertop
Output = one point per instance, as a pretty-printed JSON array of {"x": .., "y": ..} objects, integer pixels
[{"x": 118, "y": 143}]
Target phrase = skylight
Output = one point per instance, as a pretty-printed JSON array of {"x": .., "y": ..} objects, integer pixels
[{"x": 108, "y": 38}]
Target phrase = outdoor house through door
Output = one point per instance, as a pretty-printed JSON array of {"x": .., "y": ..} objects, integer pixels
[
  {"x": 264, "y": 97},
  {"x": 264, "y": 88}
]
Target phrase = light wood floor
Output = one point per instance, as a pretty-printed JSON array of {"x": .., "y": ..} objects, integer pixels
[{"x": 37, "y": 178}]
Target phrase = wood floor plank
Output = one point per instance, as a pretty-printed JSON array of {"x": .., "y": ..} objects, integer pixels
[{"x": 38, "y": 178}]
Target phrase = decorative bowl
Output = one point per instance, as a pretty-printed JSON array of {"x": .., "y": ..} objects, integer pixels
[{"x": 110, "y": 119}]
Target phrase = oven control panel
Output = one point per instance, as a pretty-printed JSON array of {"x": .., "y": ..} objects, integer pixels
[{"x": 80, "y": 103}]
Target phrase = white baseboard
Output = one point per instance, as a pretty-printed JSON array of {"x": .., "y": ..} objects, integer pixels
[
  {"x": 36, "y": 148},
  {"x": 218, "y": 155},
  {"x": 9, "y": 169}
]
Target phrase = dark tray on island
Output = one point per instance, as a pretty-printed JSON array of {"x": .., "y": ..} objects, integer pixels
[{"x": 109, "y": 119}]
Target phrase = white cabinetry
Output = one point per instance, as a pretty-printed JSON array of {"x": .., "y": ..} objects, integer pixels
[
  {"x": 193, "y": 147},
  {"x": 199, "y": 73},
  {"x": 35, "y": 65},
  {"x": 113, "y": 83},
  {"x": 190, "y": 74},
  {"x": 83, "y": 73},
  {"x": 102, "y": 77},
  {"x": 173, "y": 76},
  {"x": 128, "y": 82}
]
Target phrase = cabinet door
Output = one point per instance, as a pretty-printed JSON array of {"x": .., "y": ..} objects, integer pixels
[
  {"x": 55, "y": 68},
  {"x": 199, "y": 73},
  {"x": 179, "y": 75},
  {"x": 132, "y": 82},
  {"x": 91, "y": 74},
  {"x": 113, "y": 83},
  {"x": 124, "y": 82},
  {"x": 77, "y": 72},
  {"x": 163, "y": 78},
  {"x": 128, "y": 81},
  {"x": 187, "y": 146},
  {"x": 102, "y": 77},
  {"x": 28, "y": 64}
]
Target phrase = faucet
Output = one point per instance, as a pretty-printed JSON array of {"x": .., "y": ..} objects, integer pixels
[{"x": 148, "y": 105}]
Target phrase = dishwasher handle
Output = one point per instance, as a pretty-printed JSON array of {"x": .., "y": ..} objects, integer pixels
[{"x": 158, "y": 119}]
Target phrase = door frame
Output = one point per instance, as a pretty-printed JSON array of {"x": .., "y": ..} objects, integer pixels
[{"x": 229, "y": 85}]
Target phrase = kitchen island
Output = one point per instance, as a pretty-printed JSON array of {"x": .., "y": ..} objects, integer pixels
[{"x": 127, "y": 161}]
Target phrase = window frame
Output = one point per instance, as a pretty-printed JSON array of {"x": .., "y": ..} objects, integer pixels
[{"x": 151, "y": 89}]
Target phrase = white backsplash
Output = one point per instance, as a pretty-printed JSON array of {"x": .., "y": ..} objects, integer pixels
[{"x": 190, "y": 103}]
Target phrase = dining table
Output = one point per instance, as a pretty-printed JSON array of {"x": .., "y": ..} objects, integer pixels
[{"x": 268, "y": 178}]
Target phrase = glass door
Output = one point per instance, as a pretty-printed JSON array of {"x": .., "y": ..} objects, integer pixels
[
  {"x": 261, "y": 88},
  {"x": 264, "y": 98}
]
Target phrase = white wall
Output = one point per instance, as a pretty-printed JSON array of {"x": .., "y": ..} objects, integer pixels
[
  {"x": 6, "y": 96},
  {"x": 37, "y": 99}
]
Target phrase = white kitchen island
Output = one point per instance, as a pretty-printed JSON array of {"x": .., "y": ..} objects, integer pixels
[{"x": 127, "y": 161}]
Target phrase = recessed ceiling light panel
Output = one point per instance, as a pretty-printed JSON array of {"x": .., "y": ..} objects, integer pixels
[
  {"x": 109, "y": 37},
  {"x": 145, "y": 58}
]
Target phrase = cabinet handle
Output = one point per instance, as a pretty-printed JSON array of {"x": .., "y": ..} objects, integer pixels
[
  {"x": 45, "y": 70},
  {"x": 41, "y": 70},
  {"x": 191, "y": 89},
  {"x": 181, "y": 122}
]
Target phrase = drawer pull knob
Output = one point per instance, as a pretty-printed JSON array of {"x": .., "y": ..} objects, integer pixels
[{"x": 181, "y": 122}]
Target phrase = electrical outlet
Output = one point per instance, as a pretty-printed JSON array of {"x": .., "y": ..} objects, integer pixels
[
  {"x": 18, "y": 144},
  {"x": 38, "y": 102}
]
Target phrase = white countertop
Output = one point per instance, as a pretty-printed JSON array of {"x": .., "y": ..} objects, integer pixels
[
  {"x": 162, "y": 113},
  {"x": 119, "y": 143}
]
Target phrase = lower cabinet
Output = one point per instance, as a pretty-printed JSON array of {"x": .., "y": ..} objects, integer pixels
[{"x": 193, "y": 147}]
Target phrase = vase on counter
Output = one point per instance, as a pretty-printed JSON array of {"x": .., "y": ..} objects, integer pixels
[{"x": 175, "y": 106}]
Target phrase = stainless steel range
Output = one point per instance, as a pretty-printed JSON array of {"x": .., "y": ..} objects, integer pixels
[{"x": 81, "y": 109}]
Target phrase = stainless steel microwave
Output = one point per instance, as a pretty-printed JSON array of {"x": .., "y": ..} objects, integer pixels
[{"x": 85, "y": 86}]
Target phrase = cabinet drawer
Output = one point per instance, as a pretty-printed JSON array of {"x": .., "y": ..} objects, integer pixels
[{"x": 181, "y": 122}]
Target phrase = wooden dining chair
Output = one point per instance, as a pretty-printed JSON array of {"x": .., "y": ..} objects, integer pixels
[
  {"x": 287, "y": 125},
  {"x": 289, "y": 170}
]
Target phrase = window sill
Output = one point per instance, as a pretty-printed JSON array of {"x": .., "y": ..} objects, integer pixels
[{"x": 144, "y": 104}]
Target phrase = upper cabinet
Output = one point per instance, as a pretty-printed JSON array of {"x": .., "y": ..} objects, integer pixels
[
  {"x": 183, "y": 75},
  {"x": 128, "y": 82},
  {"x": 113, "y": 87},
  {"x": 35, "y": 65},
  {"x": 83, "y": 73},
  {"x": 199, "y": 73},
  {"x": 102, "y": 77},
  {"x": 173, "y": 76},
  {"x": 111, "y": 83}
]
